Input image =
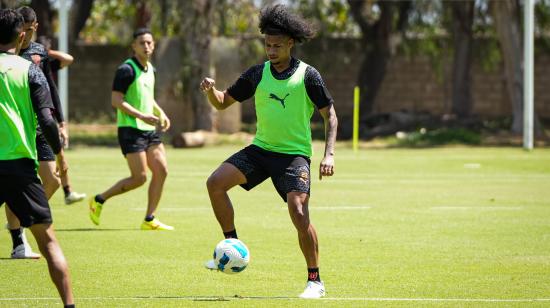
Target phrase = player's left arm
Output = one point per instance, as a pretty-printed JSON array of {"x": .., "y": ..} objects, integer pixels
[
  {"x": 326, "y": 168},
  {"x": 163, "y": 118},
  {"x": 321, "y": 98}
]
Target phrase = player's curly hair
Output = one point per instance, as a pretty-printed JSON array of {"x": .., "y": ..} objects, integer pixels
[{"x": 277, "y": 19}]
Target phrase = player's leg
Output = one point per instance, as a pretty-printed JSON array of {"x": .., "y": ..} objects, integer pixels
[
  {"x": 57, "y": 265},
  {"x": 21, "y": 247},
  {"x": 137, "y": 162},
  {"x": 156, "y": 161},
  {"x": 218, "y": 184},
  {"x": 307, "y": 236},
  {"x": 47, "y": 166},
  {"x": 50, "y": 181},
  {"x": 70, "y": 195},
  {"x": 27, "y": 200}
]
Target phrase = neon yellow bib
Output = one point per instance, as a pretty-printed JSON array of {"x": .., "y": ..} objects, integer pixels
[
  {"x": 283, "y": 112},
  {"x": 141, "y": 95},
  {"x": 17, "y": 117}
]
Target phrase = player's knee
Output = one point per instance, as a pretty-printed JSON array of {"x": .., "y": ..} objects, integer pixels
[
  {"x": 139, "y": 179},
  {"x": 214, "y": 182},
  {"x": 300, "y": 218}
]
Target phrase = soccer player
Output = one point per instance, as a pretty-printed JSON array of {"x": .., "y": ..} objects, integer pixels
[
  {"x": 286, "y": 92},
  {"x": 139, "y": 118},
  {"x": 38, "y": 54},
  {"x": 25, "y": 100}
]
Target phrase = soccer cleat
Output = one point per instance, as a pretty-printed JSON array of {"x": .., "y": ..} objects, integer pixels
[
  {"x": 74, "y": 197},
  {"x": 155, "y": 224},
  {"x": 211, "y": 265},
  {"x": 314, "y": 289},
  {"x": 24, "y": 251},
  {"x": 95, "y": 211}
]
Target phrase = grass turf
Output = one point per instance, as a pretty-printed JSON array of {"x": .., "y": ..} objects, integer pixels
[{"x": 451, "y": 226}]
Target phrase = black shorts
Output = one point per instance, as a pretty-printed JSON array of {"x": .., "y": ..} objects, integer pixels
[
  {"x": 43, "y": 150},
  {"x": 133, "y": 140},
  {"x": 287, "y": 172},
  {"x": 26, "y": 198}
]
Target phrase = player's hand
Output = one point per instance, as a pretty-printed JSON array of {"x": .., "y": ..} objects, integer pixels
[
  {"x": 150, "y": 119},
  {"x": 207, "y": 84},
  {"x": 62, "y": 166},
  {"x": 164, "y": 123},
  {"x": 326, "y": 168},
  {"x": 63, "y": 135}
]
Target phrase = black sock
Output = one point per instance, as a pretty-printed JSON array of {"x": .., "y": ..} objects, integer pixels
[
  {"x": 99, "y": 199},
  {"x": 16, "y": 237},
  {"x": 69, "y": 306},
  {"x": 149, "y": 217},
  {"x": 230, "y": 234},
  {"x": 313, "y": 274},
  {"x": 66, "y": 190}
]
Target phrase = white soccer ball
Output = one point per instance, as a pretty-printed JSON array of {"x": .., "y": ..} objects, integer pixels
[{"x": 231, "y": 256}]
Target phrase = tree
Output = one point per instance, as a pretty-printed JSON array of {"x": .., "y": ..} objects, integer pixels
[
  {"x": 376, "y": 39},
  {"x": 196, "y": 25},
  {"x": 44, "y": 15},
  {"x": 81, "y": 12},
  {"x": 507, "y": 24},
  {"x": 462, "y": 18}
]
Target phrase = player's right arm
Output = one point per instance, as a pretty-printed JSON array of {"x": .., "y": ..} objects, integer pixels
[
  {"x": 64, "y": 59},
  {"x": 124, "y": 76},
  {"x": 43, "y": 107},
  {"x": 220, "y": 100},
  {"x": 117, "y": 100}
]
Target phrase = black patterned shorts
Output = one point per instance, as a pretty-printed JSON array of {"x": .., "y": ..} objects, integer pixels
[
  {"x": 26, "y": 198},
  {"x": 133, "y": 140},
  {"x": 289, "y": 173}
]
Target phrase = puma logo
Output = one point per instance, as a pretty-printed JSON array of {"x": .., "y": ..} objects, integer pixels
[{"x": 281, "y": 100}]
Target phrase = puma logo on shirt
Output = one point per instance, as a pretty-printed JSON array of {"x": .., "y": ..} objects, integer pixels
[{"x": 281, "y": 100}]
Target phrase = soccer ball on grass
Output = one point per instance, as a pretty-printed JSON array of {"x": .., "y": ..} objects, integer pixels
[{"x": 231, "y": 256}]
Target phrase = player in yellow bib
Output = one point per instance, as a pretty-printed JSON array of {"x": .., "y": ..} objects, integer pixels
[
  {"x": 25, "y": 100},
  {"x": 286, "y": 92},
  {"x": 138, "y": 116}
]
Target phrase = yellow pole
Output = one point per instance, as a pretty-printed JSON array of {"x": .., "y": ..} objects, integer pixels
[{"x": 355, "y": 119}]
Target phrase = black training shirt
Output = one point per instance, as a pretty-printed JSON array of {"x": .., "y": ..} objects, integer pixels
[
  {"x": 125, "y": 75},
  {"x": 245, "y": 87}
]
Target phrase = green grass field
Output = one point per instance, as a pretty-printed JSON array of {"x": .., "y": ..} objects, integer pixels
[{"x": 449, "y": 226}]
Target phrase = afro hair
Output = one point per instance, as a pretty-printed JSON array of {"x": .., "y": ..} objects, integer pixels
[{"x": 278, "y": 20}]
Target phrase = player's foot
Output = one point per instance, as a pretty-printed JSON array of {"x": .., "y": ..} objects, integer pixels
[
  {"x": 24, "y": 251},
  {"x": 74, "y": 197},
  {"x": 211, "y": 265},
  {"x": 95, "y": 211},
  {"x": 155, "y": 224},
  {"x": 314, "y": 289}
]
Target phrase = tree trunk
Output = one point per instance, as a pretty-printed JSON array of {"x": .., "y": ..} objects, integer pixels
[
  {"x": 196, "y": 36},
  {"x": 44, "y": 16},
  {"x": 507, "y": 23},
  {"x": 81, "y": 12},
  {"x": 462, "y": 21},
  {"x": 143, "y": 14},
  {"x": 376, "y": 40}
]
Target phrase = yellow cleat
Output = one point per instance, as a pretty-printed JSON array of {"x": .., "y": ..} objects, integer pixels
[
  {"x": 95, "y": 211},
  {"x": 155, "y": 224}
]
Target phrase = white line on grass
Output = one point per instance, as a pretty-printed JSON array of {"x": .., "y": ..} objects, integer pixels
[
  {"x": 340, "y": 208},
  {"x": 178, "y": 209},
  {"x": 479, "y": 208},
  {"x": 221, "y": 298}
]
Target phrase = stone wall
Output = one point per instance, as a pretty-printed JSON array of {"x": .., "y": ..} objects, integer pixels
[{"x": 410, "y": 84}]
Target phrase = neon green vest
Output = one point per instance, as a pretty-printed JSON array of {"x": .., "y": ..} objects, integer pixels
[
  {"x": 17, "y": 117},
  {"x": 283, "y": 112},
  {"x": 141, "y": 95}
]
